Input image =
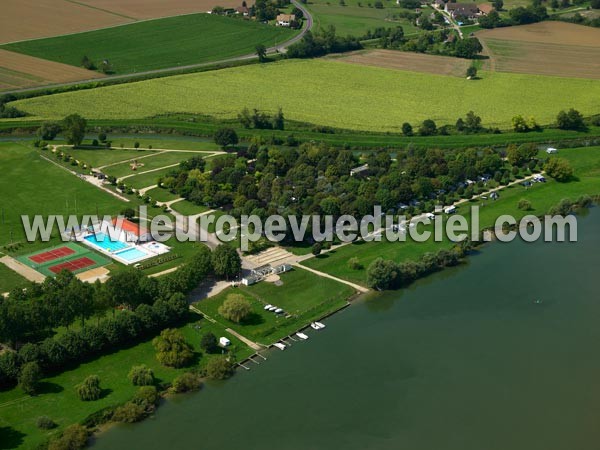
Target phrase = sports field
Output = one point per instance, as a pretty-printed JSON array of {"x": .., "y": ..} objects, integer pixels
[
  {"x": 47, "y": 18},
  {"x": 546, "y": 48},
  {"x": 69, "y": 256},
  {"x": 156, "y": 44},
  {"x": 332, "y": 93}
]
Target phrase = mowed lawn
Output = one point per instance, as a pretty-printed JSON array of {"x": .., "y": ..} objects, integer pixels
[
  {"x": 31, "y": 185},
  {"x": 543, "y": 196},
  {"x": 332, "y": 93},
  {"x": 157, "y": 44},
  {"x": 303, "y": 295}
]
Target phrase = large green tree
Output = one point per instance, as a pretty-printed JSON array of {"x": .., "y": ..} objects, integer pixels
[
  {"x": 235, "y": 308},
  {"x": 172, "y": 350},
  {"x": 73, "y": 127},
  {"x": 226, "y": 262}
]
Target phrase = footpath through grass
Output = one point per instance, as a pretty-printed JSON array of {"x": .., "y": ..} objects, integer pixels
[{"x": 157, "y": 44}]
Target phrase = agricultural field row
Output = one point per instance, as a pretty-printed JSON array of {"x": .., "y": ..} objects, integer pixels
[
  {"x": 157, "y": 44},
  {"x": 333, "y": 93}
]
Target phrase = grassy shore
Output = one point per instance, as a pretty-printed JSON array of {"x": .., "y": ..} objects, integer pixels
[
  {"x": 585, "y": 161},
  {"x": 58, "y": 400}
]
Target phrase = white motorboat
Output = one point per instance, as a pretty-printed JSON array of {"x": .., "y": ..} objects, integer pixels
[
  {"x": 314, "y": 326},
  {"x": 267, "y": 307},
  {"x": 320, "y": 325},
  {"x": 279, "y": 345},
  {"x": 278, "y": 311},
  {"x": 302, "y": 336},
  {"x": 272, "y": 308}
]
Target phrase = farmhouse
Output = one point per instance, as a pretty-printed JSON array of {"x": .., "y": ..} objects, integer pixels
[
  {"x": 243, "y": 10},
  {"x": 461, "y": 10},
  {"x": 285, "y": 20},
  {"x": 485, "y": 9}
]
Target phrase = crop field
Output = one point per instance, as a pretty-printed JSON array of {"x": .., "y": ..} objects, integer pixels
[
  {"x": 382, "y": 99},
  {"x": 546, "y": 48},
  {"x": 415, "y": 62},
  {"x": 18, "y": 71},
  {"x": 357, "y": 20},
  {"x": 46, "y": 18},
  {"x": 157, "y": 44}
]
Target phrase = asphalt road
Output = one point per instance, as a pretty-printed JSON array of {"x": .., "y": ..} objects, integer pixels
[{"x": 280, "y": 48}]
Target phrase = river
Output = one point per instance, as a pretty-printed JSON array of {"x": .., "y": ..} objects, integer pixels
[{"x": 463, "y": 360}]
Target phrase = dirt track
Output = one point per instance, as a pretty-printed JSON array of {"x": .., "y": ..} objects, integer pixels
[{"x": 415, "y": 62}]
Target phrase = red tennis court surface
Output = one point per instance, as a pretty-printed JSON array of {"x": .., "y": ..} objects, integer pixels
[
  {"x": 50, "y": 255},
  {"x": 73, "y": 265}
]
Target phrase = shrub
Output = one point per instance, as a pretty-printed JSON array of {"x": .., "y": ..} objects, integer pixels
[
  {"x": 187, "y": 382},
  {"x": 45, "y": 423},
  {"x": 171, "y": 349},
  {"x": 235, "y": 308},
  {"x": 129, "y": 413},
  {"x": 354, "y": 264},
  {"x": 141, "y": 376},
  {"x": 147, "y": 397},
  {"x": 90, "y": 389},
  {"x": 559, "y": 169},
  {"x": 208, "y": 343},
  {"x": 524, "y": 205},
  {"x": 219, "y": 368},
  {"x": 225, "y": 137},
  {"x": 73, "y": 438},
  {"x": 29, "y": 377}
]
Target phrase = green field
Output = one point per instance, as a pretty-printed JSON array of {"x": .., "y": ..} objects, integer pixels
[
  {"x": 102, "y": 157},
  {"x": 156, "y": 44},
  {"x": 150, "y": 161},
  {"x": 356, "y": 20},
  {"x": 332, "y": 93},
  {"x": 58, "y": 400},
  {"x": 9, "y": 279},
  {"x": 585, "y": 161},
  {"x": 30, "y": 185},
  {"x": 304, "y": 295},
  {"x": 143, "y": 180}
]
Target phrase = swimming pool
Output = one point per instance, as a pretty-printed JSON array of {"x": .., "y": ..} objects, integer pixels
[
  {"x": 103, "y": 241},
  {"x": 132, "y": 254}
]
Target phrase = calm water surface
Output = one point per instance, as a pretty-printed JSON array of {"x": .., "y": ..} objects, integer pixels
[{"x": 465, "y": 360}]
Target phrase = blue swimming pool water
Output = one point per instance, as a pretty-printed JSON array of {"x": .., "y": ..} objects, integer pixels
[
  {"x": 103, "y": 241},
  {"x": 132, "y": 254}
]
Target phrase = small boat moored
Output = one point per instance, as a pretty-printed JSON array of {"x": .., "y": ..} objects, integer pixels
[
  {"x": 267, "y": 307},
  {"x": 320, "y": 325},
  {"x": 302, "y": 336},
  {"x": 314, "y": 326},
  {"x": 279, "y": 345}
]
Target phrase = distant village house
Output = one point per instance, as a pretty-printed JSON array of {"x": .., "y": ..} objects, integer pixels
[{"x": 285, "y": 20}]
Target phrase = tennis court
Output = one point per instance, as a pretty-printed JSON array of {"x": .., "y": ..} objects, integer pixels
[
  {"x": 51, "y": 255},
  {"x": 73, "y": 265},
  {"x": 68, "y": 256}
]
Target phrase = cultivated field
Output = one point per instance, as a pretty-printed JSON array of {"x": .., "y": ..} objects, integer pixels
[
  {"x": 156, "y": 44},
  {"x": 546, "y": 48},
  {"x": 19, "y": 71},
  {"x": 415, "y": 62},
  {"x": 47, "y": 18},
  {"x": 332, "y": 93}
]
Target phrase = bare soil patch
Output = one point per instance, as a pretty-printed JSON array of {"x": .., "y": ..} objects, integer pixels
[
  {"x": 415, "y": 62},
  {"x": 547, "y": 33},
  {"x": 547, "y": 48},
  {"x": 32, "y": 19},
  {"x": 149, "y": 9},
  {"x": 29, "y": 19},
  {"x": 18, "y": 71}
]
